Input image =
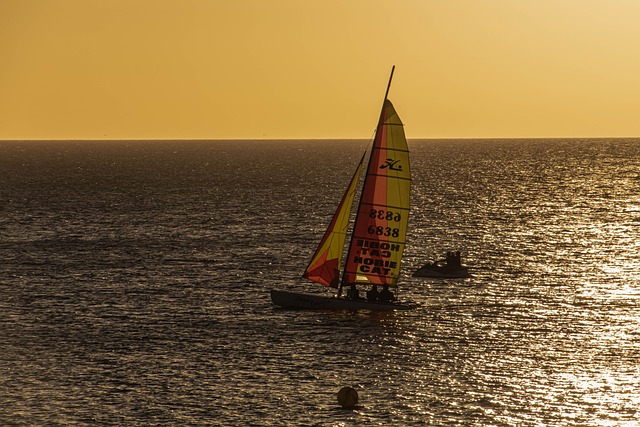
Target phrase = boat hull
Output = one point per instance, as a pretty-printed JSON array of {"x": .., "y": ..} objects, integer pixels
[
  {"x": 442, "y": 273},
  {"x": 319, "y": 302}
]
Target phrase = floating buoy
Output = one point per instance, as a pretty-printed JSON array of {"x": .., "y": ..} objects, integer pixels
[{"x": 347, "y": 397}]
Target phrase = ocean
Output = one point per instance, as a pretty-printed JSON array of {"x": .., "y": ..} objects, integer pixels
[{"x": 135, "y": 278}]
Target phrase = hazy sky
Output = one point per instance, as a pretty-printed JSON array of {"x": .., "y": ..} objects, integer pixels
[{"x": 85, "y": 69}]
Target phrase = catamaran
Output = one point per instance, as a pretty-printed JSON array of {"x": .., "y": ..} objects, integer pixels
[{"x": 379, "y": 232}]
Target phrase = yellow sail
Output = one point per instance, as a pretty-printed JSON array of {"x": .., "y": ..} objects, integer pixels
[
  {"x": 326, "y": 263},
  {"x": 380, "y": 230}
]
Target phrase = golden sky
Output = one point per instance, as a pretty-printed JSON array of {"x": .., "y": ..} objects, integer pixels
[{"x": 210, "y": 69}]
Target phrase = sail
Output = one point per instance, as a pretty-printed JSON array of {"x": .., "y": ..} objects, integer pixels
[
  {"x": 380, "y": 230},
  {"x": 325, "y": 264}
]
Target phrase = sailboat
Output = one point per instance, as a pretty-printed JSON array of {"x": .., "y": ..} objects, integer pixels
[{"x": 379, "y": 233}]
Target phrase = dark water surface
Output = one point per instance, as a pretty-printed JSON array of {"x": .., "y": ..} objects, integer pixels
[{"x": 134, "y": 281}]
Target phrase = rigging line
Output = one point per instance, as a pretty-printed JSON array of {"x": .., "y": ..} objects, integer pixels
[
  {"x": 399, "y": 208},
  {"x": 390, "y": 176},
  {"x": 392, "y": 149}
]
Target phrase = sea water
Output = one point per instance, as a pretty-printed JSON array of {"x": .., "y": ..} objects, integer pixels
[{"x": 135, "y": 278}]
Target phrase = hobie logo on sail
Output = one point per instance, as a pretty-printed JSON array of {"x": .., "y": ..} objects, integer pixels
[
  {"x": 377, "y": 249},
  {"x": 376, "y": 257},
  {"x": 392, "y": 165}
]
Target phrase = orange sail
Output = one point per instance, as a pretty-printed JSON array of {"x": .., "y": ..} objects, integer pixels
[
  {"x": 326, "y": 263},
  {"x": 380, "y": 230}
]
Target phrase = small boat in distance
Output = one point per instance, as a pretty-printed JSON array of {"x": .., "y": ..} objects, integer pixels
[
  {"x": 379, "y": 232},
  {"x": 449, "y": 268}
]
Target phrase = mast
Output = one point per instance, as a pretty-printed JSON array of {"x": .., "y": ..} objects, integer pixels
[
  {"x": 386, "y": 94},
  {"x": 380, "y": 119}
]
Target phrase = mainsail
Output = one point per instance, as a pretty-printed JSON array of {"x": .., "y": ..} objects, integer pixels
[
  {"x": 380, "y": 229},
  {"x": 325, "y": 264}
]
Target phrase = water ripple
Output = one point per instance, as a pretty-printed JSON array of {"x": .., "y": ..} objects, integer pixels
[{"x": 135, "y": 283}]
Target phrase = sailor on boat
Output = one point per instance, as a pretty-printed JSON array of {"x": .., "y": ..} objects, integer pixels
[
  {"x": 373, "y": 294},
  {"x": 386, "y": 295},
  {"x": 449, "y": 267},
  {"x": 353, "y": 292},
  {"x": 454, "y": 260}
]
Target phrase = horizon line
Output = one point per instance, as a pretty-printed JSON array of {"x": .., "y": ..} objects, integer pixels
[{"x": 311, "y": 139}]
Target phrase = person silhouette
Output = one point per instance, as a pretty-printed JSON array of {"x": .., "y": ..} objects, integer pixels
[
  {"x": 353, "y": 292},
  {"x": 386, "y": 295},
  {"x": 373, "y": 294}
]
